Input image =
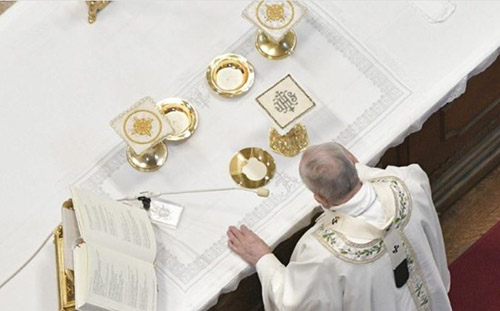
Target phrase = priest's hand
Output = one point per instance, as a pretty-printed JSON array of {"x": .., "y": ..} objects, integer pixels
[{"x": 247, "y": 244}]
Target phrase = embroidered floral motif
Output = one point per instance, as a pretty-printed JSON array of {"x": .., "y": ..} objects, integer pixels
[
  {"x": 402, "y": 197},
  {"x": 349, "y": 251},
  {"x": 352, "y": 252},
  {"x": 367, "y": 252},
  {"x": 416, "y": 282}
]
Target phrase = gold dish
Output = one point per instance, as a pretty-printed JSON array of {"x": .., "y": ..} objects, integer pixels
[
  {"x": 263, "y": 169},
  {"x": 150, "y": 160},
  {"x": 173, "y": 106},
  {"x": 230, "y": 75},
  {"x": 272, "y": 49}
]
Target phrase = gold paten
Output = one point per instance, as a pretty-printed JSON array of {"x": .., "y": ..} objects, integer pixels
[
  {"x": 94, "y": 8},
  {"x": 65, "y": 277},
  {"x": 272, "y": 49},
  {"x": 240, "y": 160},
  {"x": 290, "y": 144},
  {"x": 150, "y": 160},
  {"x": 234, "y": 61},
  {"x": 177, "y": 104}
]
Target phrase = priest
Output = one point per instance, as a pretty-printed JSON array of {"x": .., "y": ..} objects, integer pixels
[{"x": 377, "y": 246}]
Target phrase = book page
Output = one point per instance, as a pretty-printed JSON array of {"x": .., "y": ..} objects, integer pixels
[
  {"x": 109, "y": 280},
  {"x": 70, "y": 234},
  {"x": 114, "y": 225}
]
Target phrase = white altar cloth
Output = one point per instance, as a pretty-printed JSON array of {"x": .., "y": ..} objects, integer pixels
[{"x": 382, "y": 70}]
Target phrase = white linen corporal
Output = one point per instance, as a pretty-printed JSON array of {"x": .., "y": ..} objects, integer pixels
[{"x": 328, "y": 271}]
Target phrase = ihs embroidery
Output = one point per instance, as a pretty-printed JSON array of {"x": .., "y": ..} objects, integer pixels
[{"x": 285, "y": 101}]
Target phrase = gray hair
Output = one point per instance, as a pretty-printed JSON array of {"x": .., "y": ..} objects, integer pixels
[{"x": 326, "y": 170}]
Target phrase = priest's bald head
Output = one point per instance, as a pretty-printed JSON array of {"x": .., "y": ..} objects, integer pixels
[{"x": 328, "y": 171}]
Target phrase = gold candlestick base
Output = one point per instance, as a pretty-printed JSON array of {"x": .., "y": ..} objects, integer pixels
[
  {"x": 65, "y": 277},
  {"x": 290, "y": 144},
  {"x": 271, "y": 49},
  {"x": 94, "y": 8},
  {"x": 150, "y": 160}
]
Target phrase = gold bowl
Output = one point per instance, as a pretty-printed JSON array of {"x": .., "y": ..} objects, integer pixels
[
  {"x": 252, "y": 167},
  {"x": 183, "y": 117},
  {"x": 230, "y": 75}
]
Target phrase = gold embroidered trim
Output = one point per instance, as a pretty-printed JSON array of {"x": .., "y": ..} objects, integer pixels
[
  {"x": 416, "y": 283},
  {"x": 372, "y": 252},
  {"x": 356, "y": 253},
  {"x": 361, "y": 253}
]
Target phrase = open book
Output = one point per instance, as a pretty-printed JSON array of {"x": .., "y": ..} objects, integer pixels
[{"x": 114, "y": 263}]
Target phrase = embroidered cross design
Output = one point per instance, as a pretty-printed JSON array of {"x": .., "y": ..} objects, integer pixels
[
  {"x": 143, "y": 126},
  {"x": 335, "y": 220},
  {"x": 275, "y": 12},
  {"x": 395, "y": 250}
]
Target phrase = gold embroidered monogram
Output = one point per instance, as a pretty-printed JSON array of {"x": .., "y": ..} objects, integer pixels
[{"x": 285, "y": 103}]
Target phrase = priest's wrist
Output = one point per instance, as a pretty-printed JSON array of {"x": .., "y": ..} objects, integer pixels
[
  {"x": 257, "y": 257},
  {"x": 260, "y": 257}
]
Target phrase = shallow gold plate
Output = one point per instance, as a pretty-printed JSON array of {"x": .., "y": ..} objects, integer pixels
[
  {"x": 172, "y": 105},
  {"x": 238, "y": 78},
  {"x": 239, "y": 162}
]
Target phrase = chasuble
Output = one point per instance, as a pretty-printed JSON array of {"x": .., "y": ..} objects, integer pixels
[{"x": 331, "y": 271}]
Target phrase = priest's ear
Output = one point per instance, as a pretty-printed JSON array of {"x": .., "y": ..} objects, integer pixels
[
  {"x": 349, "y": 155},
  {"x": 321, "y": 200}
]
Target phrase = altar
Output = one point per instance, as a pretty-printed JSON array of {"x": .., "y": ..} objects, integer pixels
[{"x": 376, "y": 71}]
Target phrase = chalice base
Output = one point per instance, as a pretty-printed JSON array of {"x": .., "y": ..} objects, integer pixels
[
  {"x": 150, "y": 160},
  {"x": 272, "y": 49}
]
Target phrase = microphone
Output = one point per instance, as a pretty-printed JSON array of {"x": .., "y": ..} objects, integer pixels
[{"x": 261, "y": 192}]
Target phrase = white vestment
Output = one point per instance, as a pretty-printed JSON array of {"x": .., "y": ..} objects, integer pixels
[{"x": 332, "y": 271}]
